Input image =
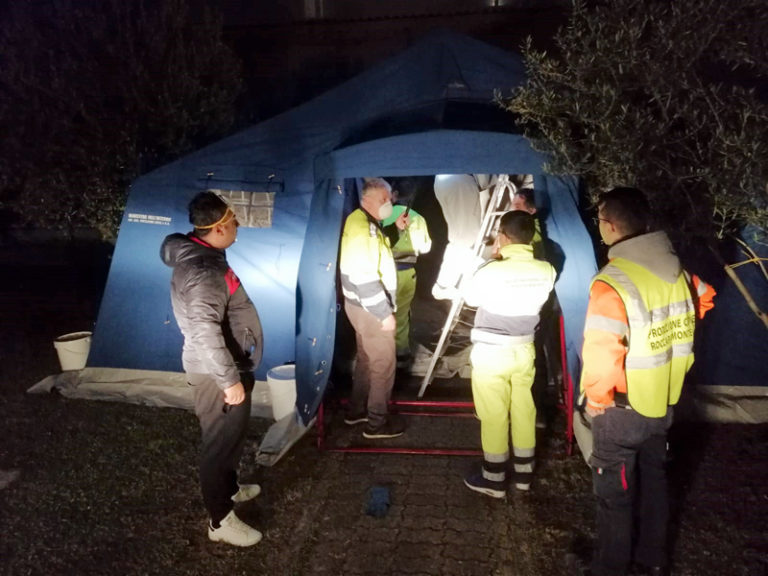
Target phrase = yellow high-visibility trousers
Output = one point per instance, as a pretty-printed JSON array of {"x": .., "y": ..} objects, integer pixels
[
  {"x": 406, "y": 290},
  {"x": 502, "y": 377}
]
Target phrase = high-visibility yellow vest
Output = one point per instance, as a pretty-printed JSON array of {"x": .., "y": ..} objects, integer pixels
[
  {"x": 661, "y": 319},
  {"x": 368, "y": 276},
  {"x": 412, "y": 241},
  {"x": 509, "y": 294}
]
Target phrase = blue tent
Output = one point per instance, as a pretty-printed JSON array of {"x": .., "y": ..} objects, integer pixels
[
  {"x": 732, "y": 347},
  {"x": 426, "y": 111}
]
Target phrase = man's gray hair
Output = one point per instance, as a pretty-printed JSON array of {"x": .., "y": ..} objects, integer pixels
[{"x": 375, "y": 184}]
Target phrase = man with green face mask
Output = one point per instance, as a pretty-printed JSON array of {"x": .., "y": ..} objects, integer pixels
[
  {"x": 406, "y": 248},
  {"x": 369, "y": 284}
]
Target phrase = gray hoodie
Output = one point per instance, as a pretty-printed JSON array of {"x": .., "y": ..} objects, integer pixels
[
  {"x": 221, "y": 328},
  {"x": 652, "y": 251}
]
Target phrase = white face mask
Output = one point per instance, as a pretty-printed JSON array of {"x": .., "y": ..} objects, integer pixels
[{"x": 385, "y": 210}]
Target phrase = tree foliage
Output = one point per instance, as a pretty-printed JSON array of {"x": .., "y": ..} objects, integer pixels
[
  {"x": 661, "y": 95},
  {"x": 94, "y": 92}
]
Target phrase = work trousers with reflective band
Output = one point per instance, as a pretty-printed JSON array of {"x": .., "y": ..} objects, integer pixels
[
  {"x": 502, "y": 377},
  {"x": 629, "y": 479},
  {"x": 406, "y": 290},
  {"x": 224, "y": 429},
  {"x": 374, "y": 373}
]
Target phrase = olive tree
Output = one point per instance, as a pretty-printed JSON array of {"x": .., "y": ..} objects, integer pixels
[
  {"x": 661, "y": 95},
  {"x": 94, "y": 93}
]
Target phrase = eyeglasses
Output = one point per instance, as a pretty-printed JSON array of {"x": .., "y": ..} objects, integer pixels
[{"x": 596, "y": 220}]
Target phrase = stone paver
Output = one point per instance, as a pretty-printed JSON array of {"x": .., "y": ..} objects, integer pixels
[{"x": 434, "y": 525}]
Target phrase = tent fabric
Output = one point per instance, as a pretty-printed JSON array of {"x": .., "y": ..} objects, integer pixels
[
  {"x": 732, "y": 347},
  {"x": 146, "y": 387},
  {"x": 426, "y": 111},
  {"x": 433, "y": 152},
  {"x": 289, "y": 270},
  {"x": 135, "y": 327}
]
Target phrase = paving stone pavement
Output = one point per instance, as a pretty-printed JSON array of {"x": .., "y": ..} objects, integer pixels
[{"x": 434, "y": 525}]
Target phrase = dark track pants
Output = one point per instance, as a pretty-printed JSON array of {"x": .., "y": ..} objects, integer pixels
[
  {"x": 629, "y": 479},
  {"x": 223, "y": 430}
]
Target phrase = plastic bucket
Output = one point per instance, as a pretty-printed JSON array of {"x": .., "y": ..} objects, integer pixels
[
  {"x": 282, "y": 388},
  {"x": 73, "y": 350}
]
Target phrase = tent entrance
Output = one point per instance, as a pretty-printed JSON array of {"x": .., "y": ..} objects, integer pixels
[
  {"x": 452, "y": 395},
  {"x": 338, "y": 177}
]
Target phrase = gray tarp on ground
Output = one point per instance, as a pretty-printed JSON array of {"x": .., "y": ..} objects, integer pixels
[{"x": 170, "y": 390}]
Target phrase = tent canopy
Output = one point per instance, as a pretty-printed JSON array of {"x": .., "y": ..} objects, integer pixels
[
  {"x": 427, "y": 111},
  {"x": 433, "y": 152}
]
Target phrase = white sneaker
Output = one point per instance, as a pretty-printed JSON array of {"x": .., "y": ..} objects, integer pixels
[
  {"x": 234, "y": 531},
  {"x": 246, "y": 492}
]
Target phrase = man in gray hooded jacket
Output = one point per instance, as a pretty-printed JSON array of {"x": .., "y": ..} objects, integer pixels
[
  {"x": 222, "y": 346},
  {"x": 638, "y": 347}
]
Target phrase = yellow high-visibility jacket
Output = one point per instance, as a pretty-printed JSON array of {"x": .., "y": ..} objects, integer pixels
[
  {"x": 412, "y": 241},
  {"x": 661, "y": 318},
  {"x": 368, "y": 276},
  {"x": 638, "y": 334},
  {"x": 509, "y": 294}
]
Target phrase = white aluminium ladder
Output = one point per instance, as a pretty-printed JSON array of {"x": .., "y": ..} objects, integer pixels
[{"x": 491, "y": 214}]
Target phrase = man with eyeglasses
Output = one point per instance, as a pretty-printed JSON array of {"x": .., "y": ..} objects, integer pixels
[
  {"x": 638, "y": 346},
  {"x": 223, "y": 344}
]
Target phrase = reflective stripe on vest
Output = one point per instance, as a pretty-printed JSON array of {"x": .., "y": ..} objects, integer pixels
[{"x": 661, "y": 319}]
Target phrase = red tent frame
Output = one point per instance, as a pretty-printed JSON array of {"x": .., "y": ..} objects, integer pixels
[{"x": 453, "y": 410}]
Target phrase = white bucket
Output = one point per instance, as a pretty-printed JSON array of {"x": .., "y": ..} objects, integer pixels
[
  {"x": 73, "y": 350},
  {"x": 282, "y": 388}
]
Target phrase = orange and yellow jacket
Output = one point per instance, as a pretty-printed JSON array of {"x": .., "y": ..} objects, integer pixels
[{"x": 638, "y": 334}]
